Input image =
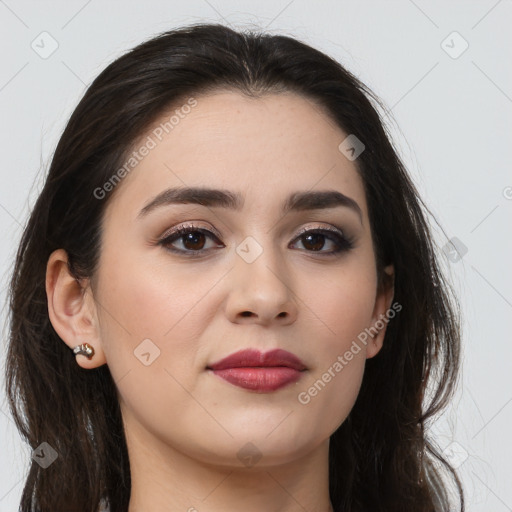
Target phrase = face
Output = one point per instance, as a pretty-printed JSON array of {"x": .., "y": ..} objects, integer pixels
[{"x": 249, "y": 275}]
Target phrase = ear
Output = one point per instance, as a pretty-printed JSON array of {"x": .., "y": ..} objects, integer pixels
[
  {"x": 72, "y": 309},
  {"x": 385, "y": 293}
]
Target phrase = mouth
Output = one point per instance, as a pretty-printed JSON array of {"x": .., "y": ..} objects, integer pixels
[{"x": 262, "y": 373}]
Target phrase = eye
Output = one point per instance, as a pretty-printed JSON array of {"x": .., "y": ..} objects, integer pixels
[
  {"x": 314, "y": 240},
  {"x": 193, "y": 240}
]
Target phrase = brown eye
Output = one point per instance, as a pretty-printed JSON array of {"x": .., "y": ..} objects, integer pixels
[
  {"x": 314, "y": 240},
  {"x": 193, "y": 240}
]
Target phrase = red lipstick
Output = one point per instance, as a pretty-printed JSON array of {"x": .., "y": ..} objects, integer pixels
[{"x": 250, "y": 369}]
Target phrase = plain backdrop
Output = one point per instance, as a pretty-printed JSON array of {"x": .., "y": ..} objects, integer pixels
[{"x": 441, "y": 69}]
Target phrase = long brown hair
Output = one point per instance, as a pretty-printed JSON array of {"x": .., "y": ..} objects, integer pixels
[{"x": 381, "y": 458}]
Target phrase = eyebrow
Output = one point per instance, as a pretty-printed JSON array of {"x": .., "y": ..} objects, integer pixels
[{"x": 297, "y": 201}]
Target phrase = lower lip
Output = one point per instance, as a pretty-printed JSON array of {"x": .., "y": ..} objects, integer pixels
[{"x": 262, "y": 380}]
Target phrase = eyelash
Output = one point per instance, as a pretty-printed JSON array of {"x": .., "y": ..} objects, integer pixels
[{"x": 343, "y": 243}]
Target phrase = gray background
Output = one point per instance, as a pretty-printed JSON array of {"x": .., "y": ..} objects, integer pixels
[{"x": 450, "y": 119}]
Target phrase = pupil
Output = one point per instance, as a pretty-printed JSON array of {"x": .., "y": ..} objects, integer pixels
[
  {"x": 315, "y": 237},
  {"x": 192, "y": 238}
]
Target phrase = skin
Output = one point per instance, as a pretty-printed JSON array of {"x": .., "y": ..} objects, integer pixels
[{"x": 185, "y": 425}]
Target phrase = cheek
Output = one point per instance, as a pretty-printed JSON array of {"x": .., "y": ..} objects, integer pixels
[
  {"x": 152, "y": 300},
  {"x": 342, "y": 302},
  {"x": 327, "y": 396},
  {"x": 160, "y": 309},
  {"x": 331, "y": 390},
  {"x": 343, "y": 305},
  {"x": 151, "y": 323}
]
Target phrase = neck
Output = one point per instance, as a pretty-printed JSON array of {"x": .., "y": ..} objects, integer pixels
[{"x": 165, "y": 480}]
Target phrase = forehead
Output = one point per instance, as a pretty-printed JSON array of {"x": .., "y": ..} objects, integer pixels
[{"x": 263, "y": 147}]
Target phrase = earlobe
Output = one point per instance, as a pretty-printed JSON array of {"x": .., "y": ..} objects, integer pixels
[
  {"x": 71, "y": 310},
  {"x": 381, "y": 317}
]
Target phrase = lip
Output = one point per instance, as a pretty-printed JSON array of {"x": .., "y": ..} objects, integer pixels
[{"x": 260, "y": 372}]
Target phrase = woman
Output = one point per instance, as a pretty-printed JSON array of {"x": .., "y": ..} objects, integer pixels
[{"x": 227, "y": 296}]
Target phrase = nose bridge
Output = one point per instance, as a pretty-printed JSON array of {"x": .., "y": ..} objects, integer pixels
[
  {"x": 259, "y": 258},
  {"x": 261, "y": 283}
]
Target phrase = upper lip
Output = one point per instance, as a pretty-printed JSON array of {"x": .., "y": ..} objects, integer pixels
[{"x": 255, "y": 358}]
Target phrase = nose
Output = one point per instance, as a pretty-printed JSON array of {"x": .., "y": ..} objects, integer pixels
[{"x": 261, "y": 292}]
